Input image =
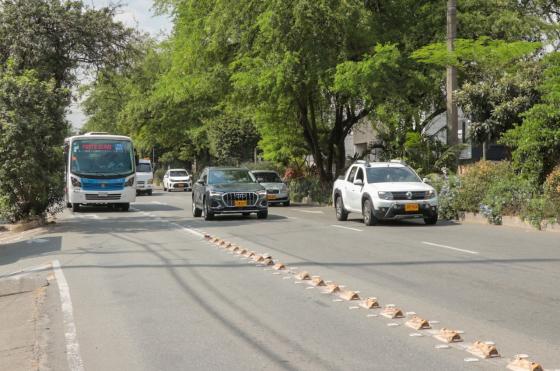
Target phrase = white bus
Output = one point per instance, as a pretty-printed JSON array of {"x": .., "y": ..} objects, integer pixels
[{"x": 100, "y": 170}]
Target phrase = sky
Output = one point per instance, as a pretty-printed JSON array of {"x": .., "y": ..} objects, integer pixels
[{"x": 133, "y": 13}]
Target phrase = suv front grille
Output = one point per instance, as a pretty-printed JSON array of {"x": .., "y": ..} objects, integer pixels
[
  {"x": 403, "y": 195},
  {"x": 230, "y": 198}
]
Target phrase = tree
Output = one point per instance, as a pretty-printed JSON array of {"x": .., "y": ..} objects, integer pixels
[
  {"x": 56, "y": 37},
  {"x": 42, "y": 46},
  {"x": 32, "y": 128},
  {"x": 232, "y": 140},
  {"x": 536, "y": 141}
]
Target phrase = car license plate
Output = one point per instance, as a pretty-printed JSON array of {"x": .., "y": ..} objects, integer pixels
[
  {"x": 103, "y": 194},
  {"x": 240, "y": 203},
  {"x": 271, "y": 197},
  {"x": 411, "y": 207},
  {"x": 180, "y": 185}
]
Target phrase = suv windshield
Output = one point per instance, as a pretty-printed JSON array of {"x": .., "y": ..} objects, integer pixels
[
  {"x": 102, "y": 157},
  {"x": 143, "y": 168},
  {"x": 229, "y": 176},
  {"x": 390, "y": 174},
  {"x": 268, "y": 177},
  {"x": 178, "y": 173}
]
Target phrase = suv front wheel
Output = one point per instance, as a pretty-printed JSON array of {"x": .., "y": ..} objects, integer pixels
[
  {"x": 196, "y": 212},
  {"x": 341, "y": 214},
  {"x": 431, "y": 220},
  {"x": 208, "y": 215},
  {"x": 369, "y": 218}
]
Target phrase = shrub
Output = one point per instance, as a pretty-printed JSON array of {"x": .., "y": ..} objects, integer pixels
[
  {"x": 507, "y": 194},
  {"x": 552, "y": 191},
  {"x": 310, "y": 187},
  {"x": 447, "y": 188},
  {"x": 476, "y": 182}
]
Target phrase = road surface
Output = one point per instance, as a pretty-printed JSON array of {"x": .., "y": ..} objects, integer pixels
[{"x": 148, "y": 292}]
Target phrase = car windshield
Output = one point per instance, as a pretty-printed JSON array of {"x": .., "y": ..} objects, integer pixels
[
  {"x": 390, "y": 174},
  {"x": 178, "y": 173},
  {"x": 102, "y": 157},
  {"x": 271, "y": 177},
  {"x": 143, "y": 168},
  {"x": 230, "y": 176}
]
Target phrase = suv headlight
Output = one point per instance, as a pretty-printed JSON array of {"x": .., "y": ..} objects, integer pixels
[
  {"x": 385, "y": 195},
  {"x": 430, "y": 194},
  {"x": 262, "y": 193},
  {"x": 129, "y": 182},
  {"x": 75, "y": 182},
  {"x": 216, "y": 194}
]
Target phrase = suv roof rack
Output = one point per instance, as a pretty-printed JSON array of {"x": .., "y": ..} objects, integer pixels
[
  {"x": 97, "y": 133},
  {"x": 398, "y": 161}
]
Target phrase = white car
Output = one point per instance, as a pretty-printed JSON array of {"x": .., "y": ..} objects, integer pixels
[
  {"x": 144, "y": 177},
  {"x": 384, "y": 191},
  {"x": 277, "y": 191},
  {"x": 176, "y": 179}
]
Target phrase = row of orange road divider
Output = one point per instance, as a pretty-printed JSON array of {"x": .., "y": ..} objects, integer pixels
[{"x": 481, "y": 349}]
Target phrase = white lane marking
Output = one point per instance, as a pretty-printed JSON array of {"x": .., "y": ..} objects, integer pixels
[
  {"x": 73, "y": 357},
  {"x": 343, "y": 227},
  {"x": 189, "y": 230},
  {"x": 158, "y": 203},
  {"x": 310, "y": 211},
  {"x": 450, "y": 248}
]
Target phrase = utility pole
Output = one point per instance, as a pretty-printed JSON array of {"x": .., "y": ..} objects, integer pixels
[{"x": 452, "y": 113}]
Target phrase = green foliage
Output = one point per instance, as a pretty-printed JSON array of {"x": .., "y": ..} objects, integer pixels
[
  {"x": 536, "y": 141},
  {"x": 232, "y": 140},
  {"x": 32, "y": 128},
  {"x": 310, "y": 186},
  {"x": 552, "y": 191},
  {"x": 477, "y": 180},
  {"x": 56, "y": 37}
]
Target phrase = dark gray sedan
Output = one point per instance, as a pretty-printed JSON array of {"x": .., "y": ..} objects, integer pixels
[{"x": 222, "y": 190}]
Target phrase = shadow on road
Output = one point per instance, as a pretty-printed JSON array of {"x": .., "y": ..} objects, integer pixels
[{"x": 12, "y": 252}]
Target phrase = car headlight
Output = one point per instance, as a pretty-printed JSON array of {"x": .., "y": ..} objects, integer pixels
[
  {"x": 216, "y": 194},
  {"x": 262, "y": 193},
  {"x": 385, "y": 195},
  {"x": 430, "y": 194},
  {"x": 129, "y": 182},
  {"x": 75, "y": 182}
]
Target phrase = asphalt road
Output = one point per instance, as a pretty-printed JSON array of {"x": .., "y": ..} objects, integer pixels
[{"x": 149, "y": 293}]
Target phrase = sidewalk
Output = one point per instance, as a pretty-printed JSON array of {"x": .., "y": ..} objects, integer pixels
[{"x": 22, "y": 299}]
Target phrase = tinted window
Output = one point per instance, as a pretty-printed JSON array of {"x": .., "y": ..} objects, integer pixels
[
  {"x": 102, "y": 157},
  {"x": 178, "y": 173},
  {"x": 268, "y": 177},
  {"x": 351, "y": 175},
  {"x": 230, "y": 176},
  {"x": 360, "y": 175},
  {"x": 391, "y": 174},
  {"x": 143, "y": 168}
]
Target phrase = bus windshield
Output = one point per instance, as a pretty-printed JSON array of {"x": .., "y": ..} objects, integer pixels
[{"x": 102, "y": 157}]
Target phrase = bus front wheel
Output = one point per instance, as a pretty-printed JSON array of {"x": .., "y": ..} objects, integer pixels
[
  {"x": 75, "y": 208},
  {"x": 125, "y": 207}
]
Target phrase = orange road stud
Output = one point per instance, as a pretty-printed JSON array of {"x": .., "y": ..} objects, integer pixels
[
  {"x": 258, "y": 258},
  {"x": 448, "y": 336},
  {"x": 215, "y": 240},
  {"x": 483, "y": 350},
  {"x": 303, "y": 276},
  {"x": 268, "y": 261},
  {"x": 235, "y": 248},
  {"x": 250, "y": 254},
  {"x": 317, "y": 281},
  {"x": 392, "y": 312},
  {"x": 223, "y": 243},
  {"x": 349, "y": 295},
  {"x": 207, "y": 236},
  {"x": 279, "y": 267},
  {"x": 332, "y": 288},
  {"x": 370, "y": 303},
  {"x": 242, "y": 251},
  {"x": 418, "y": 323},
  {"x": 523, "y": 364}
]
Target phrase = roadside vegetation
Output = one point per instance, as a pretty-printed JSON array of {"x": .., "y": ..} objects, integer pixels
[{"x": 286, "y": 81}]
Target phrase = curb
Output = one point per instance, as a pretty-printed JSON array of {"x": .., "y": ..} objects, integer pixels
[{"x": 507, "y": 221}]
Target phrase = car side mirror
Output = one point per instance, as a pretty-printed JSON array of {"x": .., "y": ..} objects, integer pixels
[
  {"x": 200, "y": 181},
  {"x": 425, "y": 180},
  {"x": 358, "y": 182}
]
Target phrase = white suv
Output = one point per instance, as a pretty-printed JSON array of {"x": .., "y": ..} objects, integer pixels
[{"x": 384, "y": 191}]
